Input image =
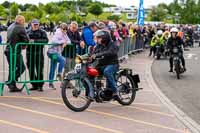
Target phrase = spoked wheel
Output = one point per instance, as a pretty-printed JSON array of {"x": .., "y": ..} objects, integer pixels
[
  {"x": 74, "y": 94},
  {"x": 127, "y": 89}
]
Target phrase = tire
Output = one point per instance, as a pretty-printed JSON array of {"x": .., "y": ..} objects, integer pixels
[
  {"x": 158, "y": 56},
  {"x": 132, "y": 90},
  {"x": 177, "y": 68},
  {"x": 158, "y": 53},
  {"x": 67, "y": 101}
]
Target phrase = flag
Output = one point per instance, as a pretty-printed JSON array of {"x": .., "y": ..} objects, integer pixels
[{"x": 141, "y": 15}]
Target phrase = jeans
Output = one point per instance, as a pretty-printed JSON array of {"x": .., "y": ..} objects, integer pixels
[
  {"x": 61, "y": 60},
  {"x": 108, "y": 72}
]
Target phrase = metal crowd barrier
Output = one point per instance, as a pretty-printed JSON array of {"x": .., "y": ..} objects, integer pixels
[
  {"x": 34, "y": 66},
  {"x": 4, "y": 66},
  {"x": 37, "y": 63},
  {"x": 129, "y": 46}
]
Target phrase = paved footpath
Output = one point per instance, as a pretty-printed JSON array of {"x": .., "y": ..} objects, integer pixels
[{"x": 44, "y": 112}]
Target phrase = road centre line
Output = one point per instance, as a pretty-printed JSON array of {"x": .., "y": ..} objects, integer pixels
[
  {"x": 138, "y": 108},
  {"x": 61, "y": 118},
  {"x": 22, "y": 126},
  {"x": 147, "y": 110},
  {"x": 135, "y": 103},
  {"x": 120, "y": 117}
]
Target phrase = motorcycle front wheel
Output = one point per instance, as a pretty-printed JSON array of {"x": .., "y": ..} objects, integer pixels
[
  {"x": 74, "y": 94},
  {"x": 177, "y": 69}
]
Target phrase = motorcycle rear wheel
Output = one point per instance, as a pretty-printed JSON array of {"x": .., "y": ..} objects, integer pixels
[{"x": 129, "y": 88}]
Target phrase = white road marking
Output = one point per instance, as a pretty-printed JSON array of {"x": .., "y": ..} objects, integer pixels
[
  {"x": 189, "y": 56},
  {"x": 196, "y": 58}
]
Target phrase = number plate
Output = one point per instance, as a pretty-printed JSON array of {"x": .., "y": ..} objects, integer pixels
[
  {"x": 175, "y": 50},
  {"x": 77, "y": 68}
]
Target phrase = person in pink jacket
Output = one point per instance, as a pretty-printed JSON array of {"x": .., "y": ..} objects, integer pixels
[
  {"x": 117, "y": 36},
  {"x": 59, "y": 41}
]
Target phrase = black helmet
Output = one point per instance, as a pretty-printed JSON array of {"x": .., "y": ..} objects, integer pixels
[{"x": 105, "y": 35}]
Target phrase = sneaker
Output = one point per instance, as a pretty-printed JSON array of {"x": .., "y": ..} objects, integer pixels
[
  {"x": 51, "y": 86},
  {"x": 91, "y": 99},
  {"x": 40, "y": 89},
  {"x": 33, "y": 89},
  {"x": 14, "y": 88}
]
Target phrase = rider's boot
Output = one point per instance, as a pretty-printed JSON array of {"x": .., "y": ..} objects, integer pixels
[{"x": 171, "y": 69}]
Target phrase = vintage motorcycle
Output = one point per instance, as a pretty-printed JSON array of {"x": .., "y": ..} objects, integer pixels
[
  {"x": 78, "y": 83},
  {"x": 177, "y": 62}
]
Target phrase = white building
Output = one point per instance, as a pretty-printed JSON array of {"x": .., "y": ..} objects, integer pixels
[
  {"x": 131, "y": 12},
  {"x": 119, "y": 9}
]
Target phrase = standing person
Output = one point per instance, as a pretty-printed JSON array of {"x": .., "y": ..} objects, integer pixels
[
  {"x": 124, "y": 31},
  {"x": 1, "y": 40},
  {"x": 77, "y": 45},
  {"x": 59, "y": 41},
  {"x": 34, "y": 54},
  {"x": 16, "y": 34},
  {"x": 190, "y": 35},
  {"x": 138, "y": 37},
  {"x": 117, "y": 36},
  {"x": 52, "y": 26},
  {"x": 88, "y": 37},
  {"x": 151, "y": 35}
]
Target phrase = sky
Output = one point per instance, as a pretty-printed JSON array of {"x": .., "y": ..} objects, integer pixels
[{"x": 123, "y": 3}]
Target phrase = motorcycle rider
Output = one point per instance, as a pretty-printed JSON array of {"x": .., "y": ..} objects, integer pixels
[
  {"x": 108, "y": 64},
  {"x": 158, "y": 39},
  {"x": 190, "y": 36},
  {"x": 175, "y": 41}
]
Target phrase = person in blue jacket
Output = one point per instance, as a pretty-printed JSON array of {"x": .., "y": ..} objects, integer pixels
[
  {"x": 88, "y": 37},
  {"x": 0, "y": 38}
]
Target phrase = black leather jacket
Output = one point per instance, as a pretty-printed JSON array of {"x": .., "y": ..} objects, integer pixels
[
  {"x": 16, "y": 34},
  {"x": 39, "y": 36},
  {"x": 108, "y": 53},
  {"x": 175, "y": 42}
]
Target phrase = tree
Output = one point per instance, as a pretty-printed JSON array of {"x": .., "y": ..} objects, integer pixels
[
  {"x": 6, "y": 4},
  {"x": 95, "y": 9},
  {"x": 190, "y": 12},
  {"x": 113, "y": 18},
  {"x": 158, "y": 13},
  {"x": 26, "y": 6},
  {"x": 14, "y": 10},
  {"x": 28, "y": 15},
  {"x": 2, "y": 11},
  {"x": 51, "y": 8},
  {"x": 38, "y": 14}
]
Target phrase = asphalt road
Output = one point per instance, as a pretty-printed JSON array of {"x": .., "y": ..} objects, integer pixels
[
  {"x": 184, "y": 93},
  {"x": 45, "y": 112}
]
